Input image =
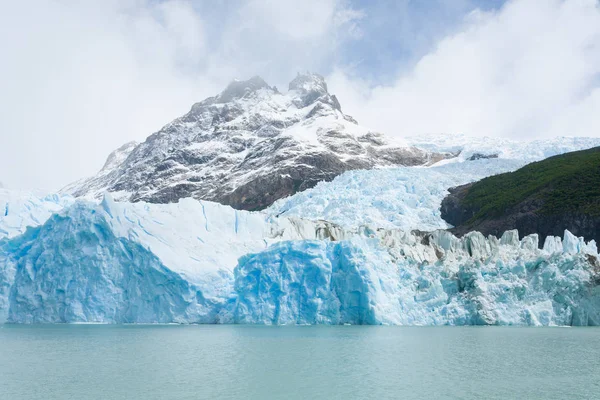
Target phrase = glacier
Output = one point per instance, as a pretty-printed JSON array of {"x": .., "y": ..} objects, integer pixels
[
  {"x": 120, "y": 263},
  {"x": 526, "y": 151},
  {"x": 410, "y": 197},
  {"x": 404, "y": 198},
  {"x": 101, "y": 250},
  {"x": 410, "y": 281},
  {"x": 21, "y": 209},
  {"x": 68, "y": 274},
  {"x": 368, "y": 247}
]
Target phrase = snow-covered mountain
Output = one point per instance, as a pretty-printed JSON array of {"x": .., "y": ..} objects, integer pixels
[{"x": 248, "y": 147}]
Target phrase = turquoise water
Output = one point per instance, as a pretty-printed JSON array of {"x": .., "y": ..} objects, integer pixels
[{"x": 254, "y": 362}]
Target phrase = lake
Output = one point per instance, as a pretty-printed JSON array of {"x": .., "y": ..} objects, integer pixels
[{"x": 302, "y": 362}]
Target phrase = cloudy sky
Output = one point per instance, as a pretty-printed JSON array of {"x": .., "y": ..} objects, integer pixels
[{"x": 80, "y": 78}]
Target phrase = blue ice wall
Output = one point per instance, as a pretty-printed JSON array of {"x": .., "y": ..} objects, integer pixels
[{"x": 74, "y": 269}]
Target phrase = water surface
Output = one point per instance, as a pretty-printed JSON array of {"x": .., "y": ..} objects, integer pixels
[{"x": 255, "y": 362}]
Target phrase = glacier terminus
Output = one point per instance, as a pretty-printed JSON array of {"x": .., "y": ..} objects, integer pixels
[{"x": 262, "y": 207}]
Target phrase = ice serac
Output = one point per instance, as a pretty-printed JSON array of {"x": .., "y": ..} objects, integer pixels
[
  {"x": 407, "y": 279},
  {"x": 391, "y": 198},
  {"x": 309, "y": 282},
  {"x": 249, "y": 146}
]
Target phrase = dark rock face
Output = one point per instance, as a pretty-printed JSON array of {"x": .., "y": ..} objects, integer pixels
[
  {"x": 525, "y": 217},
  {"x": 248, "y": 147},
  {"x": 480, "y": 156}
]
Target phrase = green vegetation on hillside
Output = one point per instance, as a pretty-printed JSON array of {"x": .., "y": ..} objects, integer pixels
[{"x": 566, "y": 183}]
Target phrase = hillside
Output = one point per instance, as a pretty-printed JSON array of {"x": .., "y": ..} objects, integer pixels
[{"x": 545, "y": 197}]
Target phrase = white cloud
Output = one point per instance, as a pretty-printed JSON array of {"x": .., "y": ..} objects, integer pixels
[
  {"x": 299, "y": 20},
  {"x": 277, "y": 38},
  {"x": 530, "y": 69},
  {"x": 79, "y": 79}
]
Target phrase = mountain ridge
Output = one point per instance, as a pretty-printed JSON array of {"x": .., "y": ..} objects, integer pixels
[{"x": 249, "y": 146}]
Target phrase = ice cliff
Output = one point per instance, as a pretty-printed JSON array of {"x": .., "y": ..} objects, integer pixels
[
  {"x": 100, "y": 262},
  {"x": 122, "y": 262},
  {"x": 404, "y": 279},
  {"x": 75, "y": 269},
  {"x": 18, "y": 211}
]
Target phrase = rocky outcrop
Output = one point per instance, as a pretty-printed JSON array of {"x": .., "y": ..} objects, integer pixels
[
  {"x": 480, "y": 156},
  {"x": 525, "y": 217},
  {"x": 544, "y": 197}
]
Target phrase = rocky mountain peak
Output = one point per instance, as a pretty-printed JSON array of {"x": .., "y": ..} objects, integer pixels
[
  {"x": 119, "y": 155},
  {"x": 310, "y": 87},
  {"x": 238, "y": 89},
  {"x": 309, "y": 82}
]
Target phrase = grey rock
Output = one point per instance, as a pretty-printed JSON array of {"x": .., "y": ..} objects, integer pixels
[{"x": 480, "y": 156}]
